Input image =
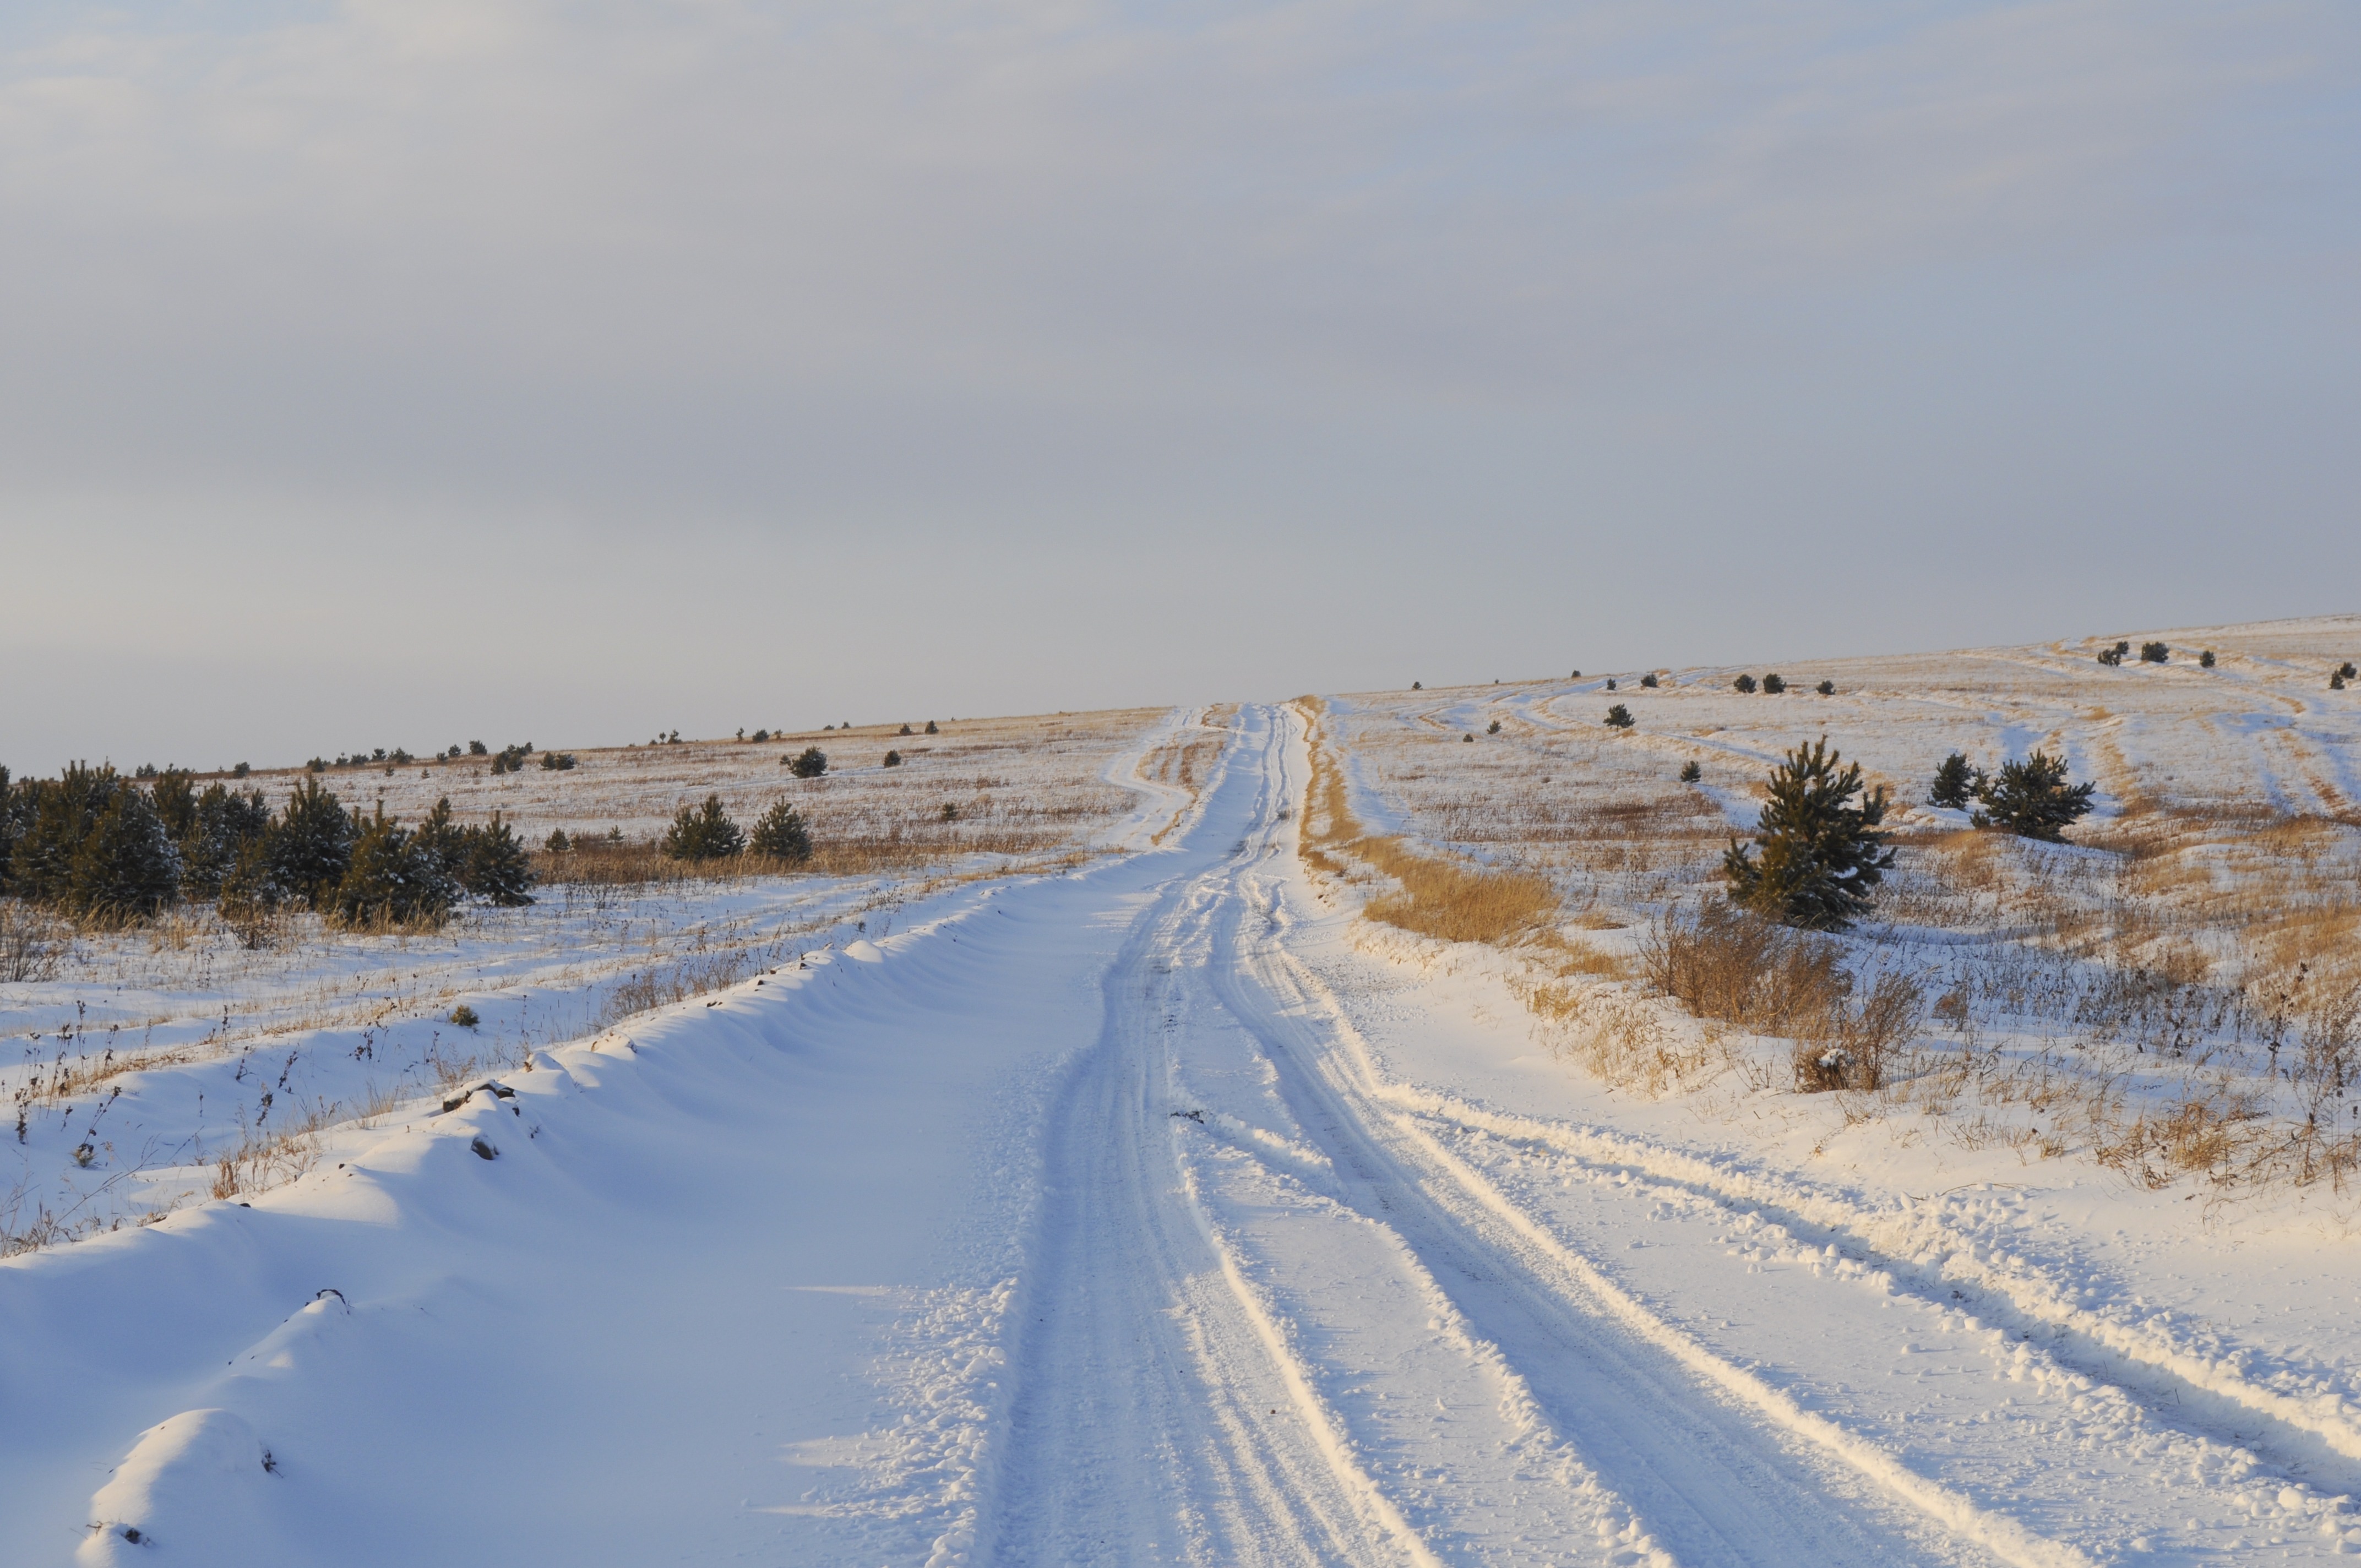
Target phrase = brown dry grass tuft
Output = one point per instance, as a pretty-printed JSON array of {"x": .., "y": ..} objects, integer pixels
[{"x": 1449, "y": 900}]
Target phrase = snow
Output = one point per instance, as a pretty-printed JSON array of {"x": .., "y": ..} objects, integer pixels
[{"x": 1159, "y": 1209}]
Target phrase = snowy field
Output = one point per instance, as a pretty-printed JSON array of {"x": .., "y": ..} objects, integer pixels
[
  {"x": 158, "y": 1067},
  {"x": 1132, "y": 1195},
  {"x": 2175, "y": 991}
]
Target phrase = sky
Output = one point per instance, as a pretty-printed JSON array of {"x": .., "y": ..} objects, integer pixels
[{"x": 403, "y": 372}]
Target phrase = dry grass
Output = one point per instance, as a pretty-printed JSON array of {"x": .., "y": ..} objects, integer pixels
[
  {"x": 32, "y": 941},
  {"x": 1446, "y": 899}
]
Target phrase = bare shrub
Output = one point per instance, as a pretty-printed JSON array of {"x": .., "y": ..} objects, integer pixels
[
  {"x": 1850, "y": 1044},
  {"x": 666, "y": 983},
  {"x": 1731, "y": 965},
  {"x": 33, "y": 942}
]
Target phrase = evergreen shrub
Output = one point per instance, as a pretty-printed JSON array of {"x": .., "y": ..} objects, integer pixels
[
  {"x": 1649, "y": 681},
  {"x": 1775, "y": 683},
  {"x": 2155, "y": 653},
  {"x": 930, "y": 728},
  {"x": 1619, "y": 717},
  {"x": 1691, "y": 772},
  {"x": 1494, "y": 729},
  {"x": 893, "y": 758},
  {"x": 2205, "y": 660},
  {"x": 1744, "y": 683},
  {"x": 558, "y": 762},
  {"x": 1827, "y": 688},
  {"x": 809, "y": 763}
]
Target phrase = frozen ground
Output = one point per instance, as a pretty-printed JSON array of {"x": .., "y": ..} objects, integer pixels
[{"x": 1159, "y": 1211}]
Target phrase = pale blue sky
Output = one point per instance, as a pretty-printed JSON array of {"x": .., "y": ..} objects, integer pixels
[{"x": 411, "y": 371}]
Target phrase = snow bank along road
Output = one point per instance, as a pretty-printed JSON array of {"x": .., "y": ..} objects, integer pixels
[{"x": 1123, "y": 1217}]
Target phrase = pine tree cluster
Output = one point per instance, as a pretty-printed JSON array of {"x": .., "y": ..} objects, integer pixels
[{"x": 98, "y": 846}]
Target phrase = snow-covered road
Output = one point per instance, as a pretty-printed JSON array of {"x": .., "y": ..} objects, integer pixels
[{"x": 1129, "y": 1216}]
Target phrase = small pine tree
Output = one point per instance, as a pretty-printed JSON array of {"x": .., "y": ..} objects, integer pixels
[
  {"x": 125, "y": 868},
  {"x": 311, "y": 845},
  {"x": 1470, "y": 738},
  {"x": 2336, "y": 682},
  {"x": 438, "y": 836},
  {"x": 808, "y": 765},
  {"x": 478, "y": 749},
  {"x": 250, "y": 889},
  {"x": 1649, "y": 681},
  {"x": 1494, "y": 729},
  {"x": 2155, "y": 653},
  {"x": 780, "y": 834},
  {"x": 2348, "y": 670},
  {"x": 557, "y": 843},
  {"x": 930, "y": 728},
  {"x": 1956, "y": 782},
  {"x": 2205, "y": 660},
  {"x": 1610, "y": 683},
  {"x": 703, "y": 833},
  {"x": 1775, "y": 683},
  {"x": 760, "y": 735},
  {"x": 1822, "y": 856},
  {"x": 558, "y": 762},
  {"x": 53, "y": 817},
  {"x": 2032, "y": 799},
  {"x": 391, "y": 880},
  {"x": 1575, "y": 677},
  {"x": 1418, "y": 685},
  {"x": 498, "y": 871},
  {"x": 905, "y": 730},
  {"x": 1619, "y": 717},
  {"x": 8, "y": 829},
  {"x": 1744, "y": 683},
  {"x": 893, "y": 758},
  {"x": 1827, "y": 688},
  {"x": 1691, "y": 772},
  {"x": 222, "y": 825}
]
